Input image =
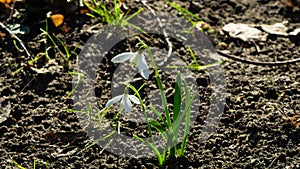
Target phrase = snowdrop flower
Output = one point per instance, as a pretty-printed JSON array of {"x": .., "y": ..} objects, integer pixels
[
  {"x": 125, "y": 101},
  {"x": 137, "y": 59}
]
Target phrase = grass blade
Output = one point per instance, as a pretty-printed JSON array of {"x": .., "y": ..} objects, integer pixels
[
  {"x": 159, "y": 128},
  {"x": 195, "y": 62},
  {"x": 159, "y": 115},
  {"x": 187, "y": 123},
  {"x": 186, "y": 13},
  {"x": 160, "y": 158}
]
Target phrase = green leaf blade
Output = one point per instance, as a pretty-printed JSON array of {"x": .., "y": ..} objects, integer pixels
[{"x": 177, "y": 97}]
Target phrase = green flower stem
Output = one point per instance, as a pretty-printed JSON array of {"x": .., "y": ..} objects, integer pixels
[
  {"x": 159, "y": 82},
  {"x": 136, "y": 92}
]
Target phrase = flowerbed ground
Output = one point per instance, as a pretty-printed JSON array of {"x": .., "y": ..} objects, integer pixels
[{"x": 258, "y": 129}]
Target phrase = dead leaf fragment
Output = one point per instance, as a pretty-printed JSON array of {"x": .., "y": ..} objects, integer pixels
[
  {"x": 6, "y": 1},
  {"x": 2, "y": 34},
  {"x": 202, "y": 25},
  {"x": 65, "y": 28},
  {"x": 84, "y": 11},
  {"x": 4, "y": 111},
  {"x": 245, "y": 32},
  {"x": 295, "y": 32},
  {"x": 57, "y": 19},
  {"x": 51, "y": 67},
  {"x": 294, "y": 4},
  {"x": 295, "y": 120},
  {"x": 277, "y": 29}
]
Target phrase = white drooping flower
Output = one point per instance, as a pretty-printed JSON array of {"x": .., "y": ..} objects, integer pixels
[
  {"x": 125, "y": 101},
  {"x": 137, "y": 59}
]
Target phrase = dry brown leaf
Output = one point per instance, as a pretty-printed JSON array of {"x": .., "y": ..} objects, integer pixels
[
  {"x": 202, "y": 25},
  {"x": 295, "y": 120},
  {"x": 294, "y": 4},
  {"x": 84, "y": 11},
  {"x": 245, "y": 32},
  {"x": 57, "y": 19},
  {"x": 65, "y": 28},
  {"x": 2, "y": 34},
  {"x": 5, "y": 1},
  {"x": 277, "y": 29}
]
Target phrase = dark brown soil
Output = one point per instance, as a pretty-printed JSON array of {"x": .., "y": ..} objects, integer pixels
[{"x": 259, "y": 127}]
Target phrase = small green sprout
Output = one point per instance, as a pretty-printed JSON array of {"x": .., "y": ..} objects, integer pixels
[
  {"x": 66, "y": 53},
  {"x": 115, "y": 16}
]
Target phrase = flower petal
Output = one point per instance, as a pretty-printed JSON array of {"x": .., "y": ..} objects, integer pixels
[
  {"x": 145, "y": 74},
  {"x": 143, "y": 67},
  {"x": 114, "y": 100},
  {"x": 134, "y": 99},
  {"x": 134, "y": 59},
  {"x": 142, "y": 64},
  {"x": 127, "y": 103},
  {"x": 123, "y": 57}
]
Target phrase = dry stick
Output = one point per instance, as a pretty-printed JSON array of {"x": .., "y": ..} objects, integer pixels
[
  {"x": 273, "y": 161},
  {"x": 27, "y": 84},
  {"x": 164, "y": 32},
  {"x": 12, "y": 11},
  {"x": 258, "y": 62},
  {"x": 15, "y": 36}
]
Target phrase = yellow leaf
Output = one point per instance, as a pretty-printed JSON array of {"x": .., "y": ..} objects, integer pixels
[{"x": 57, "y": 19}]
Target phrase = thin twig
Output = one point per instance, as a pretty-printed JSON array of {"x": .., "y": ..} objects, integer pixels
[
  {"x": 12, "y": 11},
  {"x": 27, "y": 84},
  {"x": 16, "y": 37},
  {"x": 258, "y": 62},
  {"x": 105, "y": 147},
  {"x": 273, "y": 161},
  {"x": 163, "y": 30}
]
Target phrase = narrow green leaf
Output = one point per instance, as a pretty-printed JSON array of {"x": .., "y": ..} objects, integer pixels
[
  {"x": 159, "y": 128},
  {"x": 116, "y": 8},
  {"x": 175, "y": 127},
  {"x": 156, "y": 124},
  {"x": 159, "y": 115},
  {"x": 160, "y": 158},
  {"x": 164, "y": 99},
  {"x": 177, "y": 123},
  {"x": 187, "y": 123},
  {"x": 195, "y": 62},
  {"x": 177, "y": 97},
  {"x": 134, "y": 14},
  {"x": 16, "y": 164},
  {"x": 64, "y": 46},
  {"x": 186, "y": 13},
  {"x": 108, "y": 135}
]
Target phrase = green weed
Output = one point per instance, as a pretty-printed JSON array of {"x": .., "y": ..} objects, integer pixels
[
  {"x": 66, "y": 53},
  {"x": 192, "y": 18},
  {"x": 116, "y": 17}
]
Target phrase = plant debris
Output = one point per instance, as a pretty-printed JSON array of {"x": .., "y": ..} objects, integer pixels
[{"x": 245, "y": 32}]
